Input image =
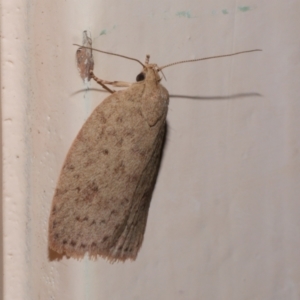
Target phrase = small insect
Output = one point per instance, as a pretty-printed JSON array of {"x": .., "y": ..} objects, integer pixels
[
  {"x": 84, "y": 57},
  {"x": 103, "y": 194}
]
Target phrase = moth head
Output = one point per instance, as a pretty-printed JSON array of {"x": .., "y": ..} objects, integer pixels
[{"x": 150, "y": 72}]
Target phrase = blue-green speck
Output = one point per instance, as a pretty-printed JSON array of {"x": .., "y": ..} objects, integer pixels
[
  {"x": 185, "y": 14},
  {"x": 243, "y": 8}
]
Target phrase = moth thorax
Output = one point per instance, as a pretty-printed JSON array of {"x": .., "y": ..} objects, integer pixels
[{"x": 151, "y": 72}]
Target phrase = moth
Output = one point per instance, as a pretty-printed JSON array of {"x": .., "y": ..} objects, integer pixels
[{"x": 103, "y": 194}]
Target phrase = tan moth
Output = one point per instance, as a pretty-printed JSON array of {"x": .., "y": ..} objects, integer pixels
[{"x": 103, "y": 194}]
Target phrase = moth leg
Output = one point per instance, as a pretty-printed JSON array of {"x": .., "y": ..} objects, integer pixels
[
  {"x": 101, "y": 82},
  {"x": 113, "y": 83},
  {"x": 119, "y": 83}
]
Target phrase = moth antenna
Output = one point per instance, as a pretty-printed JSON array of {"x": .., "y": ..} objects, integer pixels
[
  {"x": 163, "y": 75},
  {"x": 210, "y": 57},
  {"x": 147, "y": 59},
  {"x": 131, "y": 58}
]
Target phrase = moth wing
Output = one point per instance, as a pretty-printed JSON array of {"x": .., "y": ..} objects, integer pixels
[
  {"x": 103, "y": 194},
  {"x": 130, "y": 241}
]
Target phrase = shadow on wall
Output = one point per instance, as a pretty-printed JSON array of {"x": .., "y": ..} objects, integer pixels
[{"x": 233, "y": 96}]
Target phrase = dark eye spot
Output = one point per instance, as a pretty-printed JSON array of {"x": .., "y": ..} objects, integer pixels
[{"x": 140, "y": 77}]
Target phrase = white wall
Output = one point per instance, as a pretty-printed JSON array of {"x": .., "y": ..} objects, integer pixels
[{"x": 224, "y": 221}]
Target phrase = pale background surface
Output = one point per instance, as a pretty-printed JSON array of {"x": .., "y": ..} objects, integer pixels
[{"x": 224, "y": 221}]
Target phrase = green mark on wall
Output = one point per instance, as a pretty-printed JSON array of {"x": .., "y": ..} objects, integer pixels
[
  {"x": 243, "y": 8},
  {"x": 185, "y": 14},
  {"x": 107, "y": 31},
  {"x": 225, "y": 11}
]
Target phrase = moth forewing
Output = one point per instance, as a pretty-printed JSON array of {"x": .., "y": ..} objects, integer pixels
[{"x": 104, "y": 190}]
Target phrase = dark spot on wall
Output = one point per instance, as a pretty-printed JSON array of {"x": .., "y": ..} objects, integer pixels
[
  {"x": 93, "y": 222},
  {"x": 93, "y": 245},
  {"x": 65, "y": 241},
  {"x": 56, "y": 235},
  {"x": 73, "y": 243},
  {"x": 105, "y": 151},
  {"x": 85, "y": 219},
  {"x": 77, "y": 218},
  {"x": 82, "y": 245}
]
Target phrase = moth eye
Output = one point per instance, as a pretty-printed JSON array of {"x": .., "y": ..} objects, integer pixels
[{"x": 140, "y": 77}]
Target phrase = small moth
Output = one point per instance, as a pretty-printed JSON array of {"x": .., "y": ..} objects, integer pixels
[
  {"x": 84, "y": 57},
  {"x": 103, "y": 194}
]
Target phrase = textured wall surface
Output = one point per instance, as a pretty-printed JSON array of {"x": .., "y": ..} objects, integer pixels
[{"x": 224, "y": 220}]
